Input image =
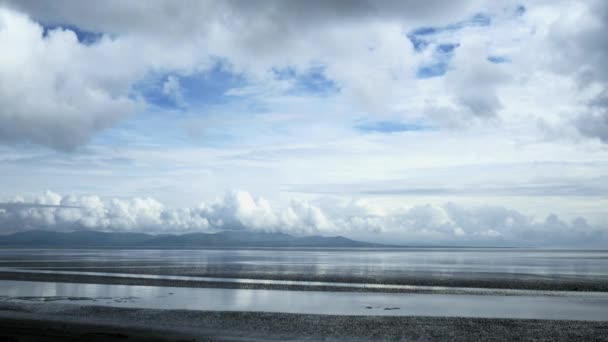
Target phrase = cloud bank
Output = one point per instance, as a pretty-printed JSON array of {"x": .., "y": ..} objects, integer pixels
[{"x": 239, "y": 210}]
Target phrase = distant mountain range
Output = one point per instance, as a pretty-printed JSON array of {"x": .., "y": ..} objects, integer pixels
[{"x": 225, "y": 239}]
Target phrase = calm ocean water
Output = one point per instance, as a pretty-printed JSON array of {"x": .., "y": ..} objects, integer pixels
[
  {"x": 369, "y": 263},
  {"x": 362, "y": 267}
]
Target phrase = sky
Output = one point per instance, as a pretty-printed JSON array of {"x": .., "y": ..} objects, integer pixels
[{"x": 460, "y": 122}]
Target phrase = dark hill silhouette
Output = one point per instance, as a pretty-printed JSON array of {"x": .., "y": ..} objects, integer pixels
[{"x": 234, "y": 238}]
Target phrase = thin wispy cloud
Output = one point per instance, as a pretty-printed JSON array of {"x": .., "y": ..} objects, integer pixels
[{"x": 20, "y": 205}]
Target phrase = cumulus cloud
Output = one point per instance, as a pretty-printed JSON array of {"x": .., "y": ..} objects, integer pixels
[
  {"x": 542, "y": 64},
  {"x": 53, "y": 89},
  {"x": 65, "y": 213},
  {"x": 453, "y": 224},
  {"x": 58, "y": 91},
  {"x": 239, "y": 210}
]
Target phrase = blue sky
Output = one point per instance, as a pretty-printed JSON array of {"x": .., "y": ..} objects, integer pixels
[{"x": 372, "y": 124}]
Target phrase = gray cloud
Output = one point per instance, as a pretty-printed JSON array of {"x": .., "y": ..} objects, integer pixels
[
  {"x": 594, "y": 123},
  {"x": 476, "y": 82},
  {"x": 595, "y": 126},
  {"x": 119, "y": 17},
  {"x": 580, "y": 38}
]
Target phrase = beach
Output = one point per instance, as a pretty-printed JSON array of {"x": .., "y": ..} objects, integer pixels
[
  {"x": 56, "y": 322},
  {"x": 302, "y": 295}
]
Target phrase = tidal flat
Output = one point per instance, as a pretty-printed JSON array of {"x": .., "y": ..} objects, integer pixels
[{"x": 425, "y": 294}]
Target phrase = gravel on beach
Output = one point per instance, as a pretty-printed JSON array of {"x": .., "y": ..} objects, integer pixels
[{"x": 65, "y": 322}]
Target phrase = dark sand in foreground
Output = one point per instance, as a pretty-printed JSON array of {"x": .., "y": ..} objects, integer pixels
[{"x": 59, "y": 322}]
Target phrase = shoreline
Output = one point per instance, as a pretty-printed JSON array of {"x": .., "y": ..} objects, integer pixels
[{"x": 61, "y": 322}]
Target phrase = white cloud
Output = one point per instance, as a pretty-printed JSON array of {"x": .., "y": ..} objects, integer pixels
[
  {"x": 240, "y": 210},
  {"x": 419, "y": 224},
  {"x": 53, "y": 90},
  {"x": 73, "y": 90},
  {"x": 91, "y": 212}
]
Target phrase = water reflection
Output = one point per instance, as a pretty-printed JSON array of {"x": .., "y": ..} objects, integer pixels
[
  {"x": 311, "y": 302},
  {"x": 368, "y": 263}
]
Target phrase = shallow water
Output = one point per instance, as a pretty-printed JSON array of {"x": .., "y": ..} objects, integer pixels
[
  {"x": 574, "y": 307},
  {"x": 364, "y": 263},
  {"x": 311, "y": 284}
]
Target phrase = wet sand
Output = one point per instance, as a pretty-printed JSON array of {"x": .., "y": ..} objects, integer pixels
[
  {"x": 57, "y": 322},
  {"x": 452, "y": 281}
]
